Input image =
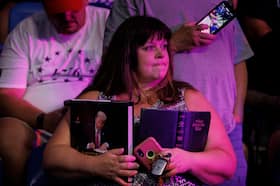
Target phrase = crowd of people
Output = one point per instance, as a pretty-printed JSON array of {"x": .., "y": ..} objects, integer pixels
[
  {"x": 149, "y": 52},
  {"x": 260, "y": 21},
  {"x": 140, "y": 49}
]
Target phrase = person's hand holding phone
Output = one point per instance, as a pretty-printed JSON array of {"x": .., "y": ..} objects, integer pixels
[
  {"x": 217, "y": 18},
  {"x": 189, "y": 36},
  {"x": 205, "y": 38},
  {"x": 147, "y": 151}
]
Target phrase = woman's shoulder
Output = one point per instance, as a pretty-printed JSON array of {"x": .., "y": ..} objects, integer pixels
[
  {"x": 195, "y": 100},
  {"x": 93, "y": 94}
]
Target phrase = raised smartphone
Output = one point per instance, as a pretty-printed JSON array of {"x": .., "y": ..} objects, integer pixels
[
  {"x": 218, "y": 17},
  {"x": 147, "y": 151}
]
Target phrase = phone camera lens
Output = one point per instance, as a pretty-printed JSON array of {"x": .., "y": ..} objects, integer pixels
[
  {"x": 140, "y": 153},
  {"x": 150, "y": 154}
]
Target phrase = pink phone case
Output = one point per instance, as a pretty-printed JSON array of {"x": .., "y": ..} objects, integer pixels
[{"x": 146, "y": 151}]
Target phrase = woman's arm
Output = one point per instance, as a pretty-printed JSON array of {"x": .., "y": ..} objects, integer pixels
[
  {"x": 61, "y": 160},
  {"x": 217, "y": 162}
]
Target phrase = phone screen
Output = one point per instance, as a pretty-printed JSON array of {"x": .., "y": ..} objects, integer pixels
[{"x": 218, "y": 17}]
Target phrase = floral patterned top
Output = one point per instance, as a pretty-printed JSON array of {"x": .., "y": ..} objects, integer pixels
[{"x": 143, "y": 178}]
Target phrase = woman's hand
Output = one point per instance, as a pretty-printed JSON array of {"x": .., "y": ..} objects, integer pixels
[
  {"x": 114, "y": 165},
  {"x": 179, "y": 161}
]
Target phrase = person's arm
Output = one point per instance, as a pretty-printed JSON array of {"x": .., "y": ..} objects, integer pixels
[
  {"x": 255, "y": 28},
  {"x": 218, "y": 161},
  {"x": 189, "y": 36},
  {"x": 259, "y": 99},
  {"x": 61, "y": 160},
  {"x": 241, "y": 78},
  {"x": 12, "y": 104},
  {"x": 15, "y": 66},
  {"x": 183, "y": 39}
]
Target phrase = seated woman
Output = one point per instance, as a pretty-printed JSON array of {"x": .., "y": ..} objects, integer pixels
[{"x": 138, "y": 67}]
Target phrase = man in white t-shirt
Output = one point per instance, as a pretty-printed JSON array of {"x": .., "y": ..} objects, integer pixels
[{"x": 48, "y": 58}]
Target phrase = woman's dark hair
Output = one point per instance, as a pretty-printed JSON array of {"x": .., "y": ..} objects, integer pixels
[{"x": 119, "y": 63}]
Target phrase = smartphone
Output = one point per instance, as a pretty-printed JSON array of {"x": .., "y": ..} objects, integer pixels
[
  {"x": 159, "y": 166},
  {"x": 218, "y": 17},
  {"x": 147, "y": 151}
]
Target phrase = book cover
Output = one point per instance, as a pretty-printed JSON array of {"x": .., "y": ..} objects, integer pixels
[
  {"x": 97, "y": 125},
  {"x": 171, "y": 128},
  {"x": 184, "y": 129}
]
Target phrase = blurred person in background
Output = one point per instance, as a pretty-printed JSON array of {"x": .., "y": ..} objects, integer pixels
[{"x": 49, "y": 57}]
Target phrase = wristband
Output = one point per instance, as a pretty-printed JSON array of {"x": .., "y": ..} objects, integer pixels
[{"x": 40, "y": 121}]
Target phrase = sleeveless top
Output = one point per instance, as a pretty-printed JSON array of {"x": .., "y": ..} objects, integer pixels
[
  {"x": 180, "y": 105},
  {"x": 144, "y": 178}
]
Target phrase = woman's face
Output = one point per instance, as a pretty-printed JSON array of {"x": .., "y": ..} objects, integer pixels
[{"x": 153, "y": 62}]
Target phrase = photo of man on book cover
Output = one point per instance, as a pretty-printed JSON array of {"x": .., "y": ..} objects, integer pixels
[
  {"x": 88, "y": 132},
  {"x": 96, "y": 127},
  {"x": 98, "y": 141}
]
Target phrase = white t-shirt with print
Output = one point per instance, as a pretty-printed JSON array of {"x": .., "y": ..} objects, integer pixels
[{"x": 50, "y": 66}]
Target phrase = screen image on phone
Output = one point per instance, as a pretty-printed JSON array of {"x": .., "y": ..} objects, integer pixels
[{"x": 218, "y": 17}]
